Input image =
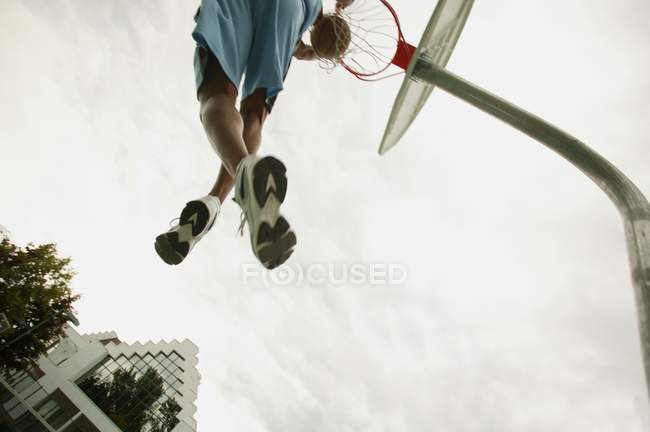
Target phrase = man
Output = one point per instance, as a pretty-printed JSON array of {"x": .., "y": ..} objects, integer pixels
[{"x": 257, "y": 38}]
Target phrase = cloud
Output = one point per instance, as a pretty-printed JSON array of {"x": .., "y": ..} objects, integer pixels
[{"x": 517, "y": 314}]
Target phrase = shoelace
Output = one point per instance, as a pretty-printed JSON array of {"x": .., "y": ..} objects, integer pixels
[{"x": 242, "y": 222}]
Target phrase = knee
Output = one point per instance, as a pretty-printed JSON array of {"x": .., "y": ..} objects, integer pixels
[
  {"x": 253, "y": 110},
  {"x": 253, "y": 120},
  {"x": 253, "y": 114},
  {"x": 210, "y": 108}
]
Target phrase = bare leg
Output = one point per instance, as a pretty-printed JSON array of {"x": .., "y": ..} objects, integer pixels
[
  {"x": 253, "y": 114},
  {"x": 222, "y": 122},
  {"x": 233, "y": 135}
]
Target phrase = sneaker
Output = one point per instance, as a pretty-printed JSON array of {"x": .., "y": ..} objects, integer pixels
[
  {"x": 196, "y": 219},
  {"x": 260, "y": 188}
]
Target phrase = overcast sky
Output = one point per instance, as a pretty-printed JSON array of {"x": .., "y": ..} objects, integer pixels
[{"x": 517, "y": 312}]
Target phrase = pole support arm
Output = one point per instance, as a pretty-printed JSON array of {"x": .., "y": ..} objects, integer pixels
[{"x": 629, "y": 200}]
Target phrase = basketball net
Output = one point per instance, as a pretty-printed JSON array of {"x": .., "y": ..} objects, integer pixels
[{"x": 376, "y": 41}]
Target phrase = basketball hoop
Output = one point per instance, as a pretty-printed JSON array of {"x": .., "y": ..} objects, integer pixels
[{"x": 377, "y": 41}]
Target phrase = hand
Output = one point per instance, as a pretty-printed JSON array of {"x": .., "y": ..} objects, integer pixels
[
  {"x": 304, "y": 52},
  {"x": 342, "y": 4}
]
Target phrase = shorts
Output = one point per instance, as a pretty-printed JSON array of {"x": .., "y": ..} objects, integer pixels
[
  {"x": 201, "y": 55},
  {"x": 251, "y": 39}
]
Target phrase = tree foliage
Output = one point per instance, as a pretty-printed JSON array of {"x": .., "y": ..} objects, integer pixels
[
  {"x": 131, "y": 401},
  {"x": 167, "y": 418},
  {"x": 35, "y": 296}
]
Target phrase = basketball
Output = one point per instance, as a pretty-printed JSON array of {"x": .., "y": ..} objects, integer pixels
[{"x": 331, "y": 37}]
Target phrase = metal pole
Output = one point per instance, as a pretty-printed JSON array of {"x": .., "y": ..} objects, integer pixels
[
  {"x": 28, "y": 332},
  {"x": 629, "y": 200}
]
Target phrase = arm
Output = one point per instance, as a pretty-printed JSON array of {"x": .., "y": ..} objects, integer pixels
[
  {"x": 304, "y": 52},
  {"x": 342, "y": 4}
]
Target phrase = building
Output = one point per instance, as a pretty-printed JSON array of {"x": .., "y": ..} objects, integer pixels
[{"x": 97, "y": 383}]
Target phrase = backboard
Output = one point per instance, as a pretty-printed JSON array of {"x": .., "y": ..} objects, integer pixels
[{"x": 436, "y": 45}]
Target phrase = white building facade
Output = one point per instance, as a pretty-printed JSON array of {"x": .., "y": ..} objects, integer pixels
[{"x": 96, "y": 383}]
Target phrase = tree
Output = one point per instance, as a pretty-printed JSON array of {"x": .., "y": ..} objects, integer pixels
[
  {"x": 167, "y": 419},
  {"x": 36, "y": 298},
  {"x": 130, "y": 401}
]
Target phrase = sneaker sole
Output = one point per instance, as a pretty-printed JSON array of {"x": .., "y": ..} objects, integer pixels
[
  {"x": 273, "y": 244},
  {"x": 265, "y": 168},
  {"x": 168, "y": 245},
  {"x": 202, "y": 213}
]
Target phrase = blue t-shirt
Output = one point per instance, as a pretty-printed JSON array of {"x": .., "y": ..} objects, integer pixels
[{"x": 254, "y": 37}]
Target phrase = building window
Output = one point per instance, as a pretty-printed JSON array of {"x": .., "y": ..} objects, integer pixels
[
  {"x": 138, "y": 393},
  {"x": 14, "y": 410}
]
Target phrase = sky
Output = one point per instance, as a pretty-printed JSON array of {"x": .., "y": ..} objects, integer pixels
[{"x": 513, "y": 309}]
